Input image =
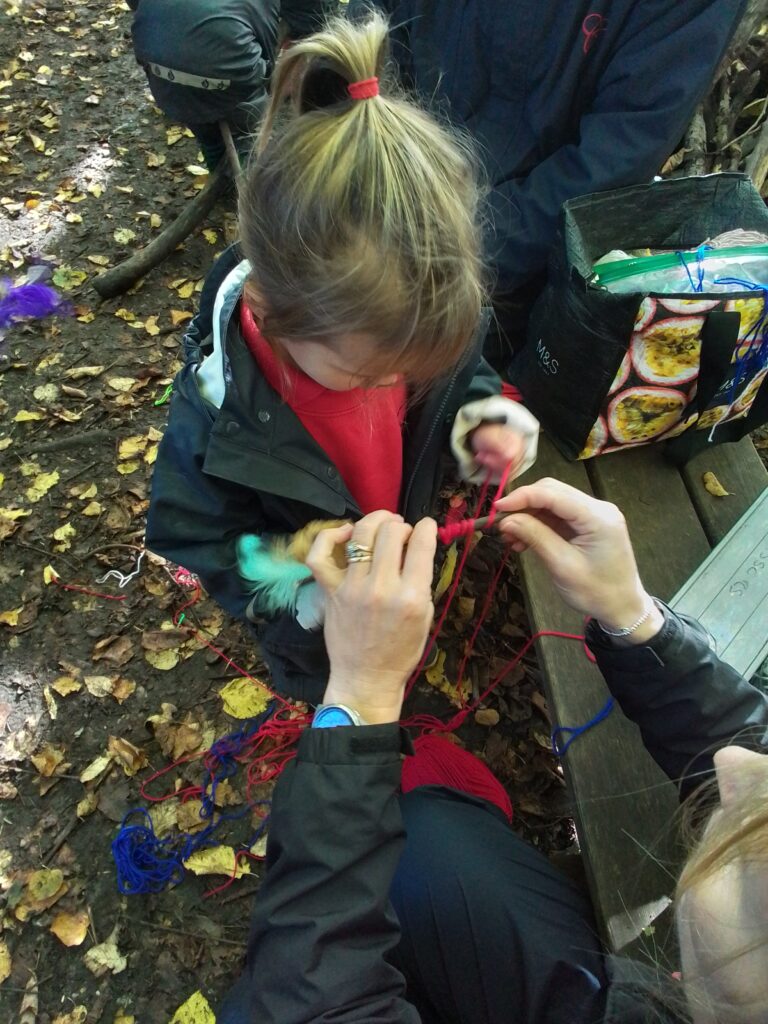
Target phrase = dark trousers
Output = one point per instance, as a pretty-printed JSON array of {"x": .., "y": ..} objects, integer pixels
[{"x": 491, "y": 931}]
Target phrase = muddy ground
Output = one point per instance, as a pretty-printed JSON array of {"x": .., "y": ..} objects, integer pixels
[{"x": 89, "y": 171}]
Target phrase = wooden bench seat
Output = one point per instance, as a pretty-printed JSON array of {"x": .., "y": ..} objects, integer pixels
[{"x": 624, "y": 806}]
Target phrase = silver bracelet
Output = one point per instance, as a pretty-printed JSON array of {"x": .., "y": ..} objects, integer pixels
[{"x": 635, "y": 625}]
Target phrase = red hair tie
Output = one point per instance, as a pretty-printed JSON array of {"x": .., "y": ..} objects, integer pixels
[{"x": 364, "y": 90}]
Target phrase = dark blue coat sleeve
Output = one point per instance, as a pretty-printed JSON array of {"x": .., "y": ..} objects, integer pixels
[
  {"x": 194, "y": 518},
  {"x": 322, "y": 924},
  {"x": 686, "y": 701},
  {"x": 646, "y": 96}
]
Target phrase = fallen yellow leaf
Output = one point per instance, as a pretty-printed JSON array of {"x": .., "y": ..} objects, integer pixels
[
  {"x": 70, "y": 929},
  {"x": 150, "y": 326},
  {"x": 43, "y": 884},
  {"x": 178, "y": 316},
  {"x": 96, "y": 768},
  {"x": 105, "y": 957},
  {"x": 132, "y": 758},
  {"x": 126, "y": 468},
  {"x": 75, "y": 1016},
  {"x": 244, "y": 698},
  {"x": 93, "y": 508},
  {"x": 64, "y": 534},
  {"x": 87, "y": 805},
  {"x": 50, "y": 703},
  {"x": 155, "y": 159},
  {"x": 5, "y": 962},
  {"x": 155, "y": 220},
  {"x": 163, "y": 660},
  {"x": 27, "y": 416},
  {"x": 65, "y": 685},
  {"x": 196, "y": 1010},
  {"x": 132, "y": 446},
  {"x": 713, "y": 485},
  {"x": 41, "y": 485},
  {"x": 76, "y": 372},
  {"x": 68, "y": 277},
  {"x": 125, "y": 314},
  {"x": 11, "y": 618},
  {"x": 121, "y": 384},
  {"x": 217, "y": 860},
  {"x": 99, "y": 260},
  {"x": 123, "y": 235},
  {"x": 47, "y": 759},
  {"x": 49, "y": 575},
  {"x": 210, "y": 236},
  {"x": 446, "y": 573}
]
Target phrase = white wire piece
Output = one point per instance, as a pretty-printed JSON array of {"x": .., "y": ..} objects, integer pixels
[{"x": 123, "y": 580}]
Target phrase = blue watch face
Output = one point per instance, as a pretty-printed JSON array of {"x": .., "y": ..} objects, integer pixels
[{"x": 330, "y": 718}]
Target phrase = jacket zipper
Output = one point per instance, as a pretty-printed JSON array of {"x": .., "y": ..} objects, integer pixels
[{"x": 430, "y": 435}]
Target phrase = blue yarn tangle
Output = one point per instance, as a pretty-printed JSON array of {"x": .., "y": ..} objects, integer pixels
[
  {"x": 754, "y": 343},
  {"x": 574, "y": 731},
  {"x": 147, "y": 864},
  {"x": 28, "y": 302}
]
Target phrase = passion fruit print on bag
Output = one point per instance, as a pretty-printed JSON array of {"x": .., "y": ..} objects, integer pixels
[{"x": 650, "y": 397}]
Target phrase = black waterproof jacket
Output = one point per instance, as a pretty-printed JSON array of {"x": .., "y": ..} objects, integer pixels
[
  {"x": 565, "y": 98},
  {"x": 251, "y": 467},
  {"x": 322, "y": 923},
  {"x": 229, "y": 40}
]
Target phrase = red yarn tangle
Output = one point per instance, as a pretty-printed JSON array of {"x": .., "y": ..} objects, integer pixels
[{"x": 438, "y": 760}]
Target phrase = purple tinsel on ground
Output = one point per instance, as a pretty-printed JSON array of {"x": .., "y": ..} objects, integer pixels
[{"x": 28, "y": 302}]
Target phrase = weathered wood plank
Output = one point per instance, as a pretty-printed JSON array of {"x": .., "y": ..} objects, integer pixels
[
  {"x": 740, "y": 470},
  {"x": 624, "y": 805},
  {"x": 669, "y": 541},
  {"x": 729, "y": 593}
]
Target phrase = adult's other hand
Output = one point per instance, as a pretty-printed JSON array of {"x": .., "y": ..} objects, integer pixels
[
  {"x": 585, "y": 546},
  {"x": 378, "y": 617}
]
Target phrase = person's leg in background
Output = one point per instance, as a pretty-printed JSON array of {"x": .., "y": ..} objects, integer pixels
[
  {"x": 508, "y": 330},
  {"x": 491, "y": 931}
]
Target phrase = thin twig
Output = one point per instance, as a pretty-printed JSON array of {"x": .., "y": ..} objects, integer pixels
[
  {"x": 178, "y": 931},
  {"x": 44, "y": 551}
]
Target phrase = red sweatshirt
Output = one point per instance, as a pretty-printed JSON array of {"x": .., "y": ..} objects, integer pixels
[{"x": 360, "y": 430}]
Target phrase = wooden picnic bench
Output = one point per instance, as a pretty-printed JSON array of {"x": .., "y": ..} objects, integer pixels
[{"x": 625, "y": 809}]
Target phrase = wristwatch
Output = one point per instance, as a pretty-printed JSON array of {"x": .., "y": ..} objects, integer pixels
[{"x": 329, "y": 716}]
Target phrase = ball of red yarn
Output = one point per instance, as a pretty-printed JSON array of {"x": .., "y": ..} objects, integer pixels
[{"x": 438, "y": 762}]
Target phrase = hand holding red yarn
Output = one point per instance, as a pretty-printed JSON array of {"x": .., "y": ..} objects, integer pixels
[
  {"x": 378, "y": 617},
  {"x": 585, "y": 546}
]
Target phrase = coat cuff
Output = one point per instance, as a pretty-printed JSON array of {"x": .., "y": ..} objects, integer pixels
[
  {"x": 355, "y": 744},
  {"x": 495, "y": 409}
]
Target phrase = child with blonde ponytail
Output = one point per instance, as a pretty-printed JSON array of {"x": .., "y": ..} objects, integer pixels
[{"x": 330, "y": 370}]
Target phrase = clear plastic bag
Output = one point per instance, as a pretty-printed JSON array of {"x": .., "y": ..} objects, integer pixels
[{"x": 676, "y": 273}]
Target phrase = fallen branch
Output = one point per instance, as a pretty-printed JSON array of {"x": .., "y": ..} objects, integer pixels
[
  {"x": 71, "y": 441},
  {"x": 120, "y": 278}
]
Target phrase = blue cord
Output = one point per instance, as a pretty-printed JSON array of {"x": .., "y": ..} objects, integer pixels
[
  {"x": 575, "y": 731},
  {"x": 146, "y": 864}
]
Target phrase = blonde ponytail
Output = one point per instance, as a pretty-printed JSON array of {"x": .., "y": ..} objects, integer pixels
[{"x": 361, "y": 216}]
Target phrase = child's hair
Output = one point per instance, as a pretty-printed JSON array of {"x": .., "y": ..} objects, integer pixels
[
  {"x": 736, "y": 834},
  {"x": 361, "y": 216}
]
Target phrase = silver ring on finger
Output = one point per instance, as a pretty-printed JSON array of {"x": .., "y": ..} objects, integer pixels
[{"x": 358, "y": 552}]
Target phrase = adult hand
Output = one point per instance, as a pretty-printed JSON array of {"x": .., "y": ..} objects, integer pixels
[
  {"x": 585, "y": 546},
  {"x": 378, "y": 616}
]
